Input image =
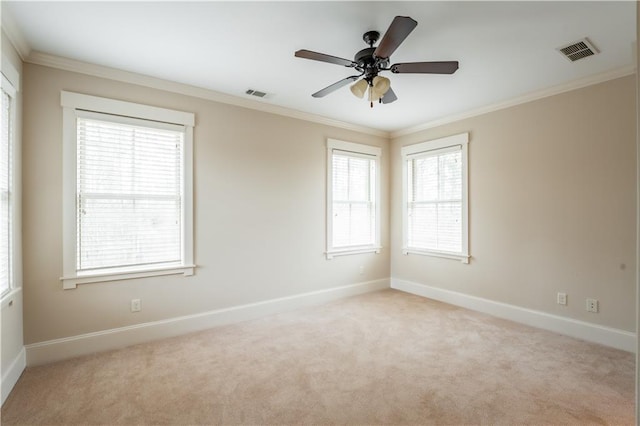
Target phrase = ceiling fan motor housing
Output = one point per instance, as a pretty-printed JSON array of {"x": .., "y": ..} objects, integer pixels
[
  {"x": 365, "y": 58},
  {"x": 368, "y": 63}
]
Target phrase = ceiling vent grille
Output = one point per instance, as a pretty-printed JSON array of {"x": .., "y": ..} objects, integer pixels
[
  {"x": 578, "y": 50},
  {"x": 257, "y": 93}
]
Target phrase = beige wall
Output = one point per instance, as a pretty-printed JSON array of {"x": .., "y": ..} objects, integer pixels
[
  {"x": 259, "y": 213},
  {"x": 12, "y": 323},
  {"x": 552, "y": 206}
]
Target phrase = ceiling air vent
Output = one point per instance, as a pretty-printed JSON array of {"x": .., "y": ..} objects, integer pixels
[
  {"x": 578, "y": 50},
  {"x": 255, "y": 93}
]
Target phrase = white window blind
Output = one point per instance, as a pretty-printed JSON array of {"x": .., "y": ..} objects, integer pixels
[
  {"x": 354, "y": 219},
  {"x": 5, "y": 196},
  {"x": 129, "y": 192},
  {"x": 434, "y": 211},
  {"x": 353, "y": 191},
  {"x": 435, "y": 198}
]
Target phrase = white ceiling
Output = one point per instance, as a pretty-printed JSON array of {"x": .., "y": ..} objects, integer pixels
[{"x": 505, "y": 49}]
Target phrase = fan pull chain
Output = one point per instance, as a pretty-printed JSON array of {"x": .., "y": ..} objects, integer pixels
[{"x": 371, "y": 95}]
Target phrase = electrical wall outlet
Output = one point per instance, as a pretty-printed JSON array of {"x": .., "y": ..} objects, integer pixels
[
  {"x": 562, "y": 298},
  {"x": 361, "y": 270},
  {"x": 592, "y": 305},
  {"x": 135, "y": 305}
]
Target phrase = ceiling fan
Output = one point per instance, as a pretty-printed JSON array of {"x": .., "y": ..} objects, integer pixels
[{"x": 371, "y": 61}]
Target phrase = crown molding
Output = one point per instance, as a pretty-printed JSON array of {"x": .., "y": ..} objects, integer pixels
[
  {"x": 45, "y": 59},
  {"x": 15, "y": 35},
  {"x": 531, "y": 96}
]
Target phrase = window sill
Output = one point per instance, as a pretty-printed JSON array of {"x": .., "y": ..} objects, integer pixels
[
  {"x": 464, "y": 258},
  {"x": 354, "y": 250},
  {"x": 72, "y": 282}
]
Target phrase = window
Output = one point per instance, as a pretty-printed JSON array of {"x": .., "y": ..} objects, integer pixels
[
  {"x": 353, "y": 191},
  {"x": 7, "y": 187},
  {"x": 435, "y": 218},
  {"x": 128, "y": 201}
]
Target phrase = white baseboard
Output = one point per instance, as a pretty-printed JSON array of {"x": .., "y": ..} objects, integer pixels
[
  {"x": 619, "y": 339},
  {"x": 84, "y": 344},
  {"x": 11, "y": 376}
]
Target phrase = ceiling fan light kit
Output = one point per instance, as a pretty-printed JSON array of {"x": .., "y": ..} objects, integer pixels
[
  {"x": 373, "y": 60},
  {"x": 379, "y": 86},
  {"x": 360, "y": 88}
]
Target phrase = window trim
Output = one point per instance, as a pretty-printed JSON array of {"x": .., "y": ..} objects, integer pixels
[
  {"x": 416, "y": 151},
  {"x": 10, "y": 83},
  {"x": 357, "y": 150},
  {"x": 71, "y": 102}
]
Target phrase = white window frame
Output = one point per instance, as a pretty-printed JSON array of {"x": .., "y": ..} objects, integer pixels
[
  {"x": 412, "y": 151},
  {"x": 357, "y": 150},
  {"x": 74, "y": 104},
  {"x": 10, "y": 84}
]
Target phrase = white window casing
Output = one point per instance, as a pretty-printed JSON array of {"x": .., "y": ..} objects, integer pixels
[
  {"x": 435, "y": 218},
  {"x": 353, "y": 198},
  {"x": 127, "y": 190},
  {"x": 8, "y": 205}
]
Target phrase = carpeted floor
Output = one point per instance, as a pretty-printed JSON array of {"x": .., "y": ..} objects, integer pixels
[{"x": 380, "y": 358}]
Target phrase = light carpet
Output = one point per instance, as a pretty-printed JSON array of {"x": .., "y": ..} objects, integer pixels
[{"x": 380, "y": 358}]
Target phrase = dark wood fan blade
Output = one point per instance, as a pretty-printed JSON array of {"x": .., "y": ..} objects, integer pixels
[
  {"x": 335, "y": 86},
  {"x": 399, "y": 29},
  {"x": 448, "y": 67},
  {"x": 389, "y": 97},
  {"x": 308, "y": 54}
]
